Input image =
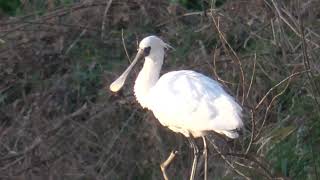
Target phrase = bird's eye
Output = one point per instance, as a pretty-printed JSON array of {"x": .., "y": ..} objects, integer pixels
[{"x": 146, "y": 51}]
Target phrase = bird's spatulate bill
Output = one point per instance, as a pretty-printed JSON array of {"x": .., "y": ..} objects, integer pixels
[{"x": 118, "y": 83}]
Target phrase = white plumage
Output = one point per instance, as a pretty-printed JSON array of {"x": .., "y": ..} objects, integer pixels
[
  {"x": 189, "y": 102},
  {"x": 185, "y": 101}
]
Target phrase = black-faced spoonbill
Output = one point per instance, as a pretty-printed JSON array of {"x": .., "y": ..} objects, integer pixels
[{"x": 185, "y": 101}]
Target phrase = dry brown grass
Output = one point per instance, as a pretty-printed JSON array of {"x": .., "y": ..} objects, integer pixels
[{"x": 59, "y": 121}]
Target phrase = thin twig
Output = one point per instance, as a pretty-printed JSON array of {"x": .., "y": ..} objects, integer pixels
[
  {"x": 65, "y": 119},
  {"x": 253, "y": 123},
  {"x": 280, "y": 83},
  {"x": 215, "y": 68},
  {"x": 273, "y": 32},
  {"x": 234, "y": 54},
  {"x": 124, "y": 46},
  {"x": 313, "y": 86},
  {"x": 289, "y": 25},
  {"x": 254, "y": 160},
  {"x": 76, "y": 40},
  {"x": 269, "y": 107},
  {"x": 306, "y": 63},
  {"x": 226, "y": 160},
  {"x": 36, "y": 142},
  {"x": 49, "y": 24},
  {"x": 253, "y": 73},
  {"x": 104, "y": 18},
  {"x": 57, "y": 13},
  {"x": 12, "y": 163},
  {"x": 114, "y": 140}
]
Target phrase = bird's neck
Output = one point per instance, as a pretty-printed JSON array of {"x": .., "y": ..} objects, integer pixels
[{"x": 147, "y": 78}]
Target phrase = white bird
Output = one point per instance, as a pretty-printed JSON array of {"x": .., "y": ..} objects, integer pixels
[{"x": 185, "y": 101}]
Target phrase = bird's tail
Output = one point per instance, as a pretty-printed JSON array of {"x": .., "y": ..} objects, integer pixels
[{"x": 231, "y": 134}]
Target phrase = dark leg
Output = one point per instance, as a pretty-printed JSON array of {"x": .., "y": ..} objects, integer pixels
[
  {"x": 166, "y": 163},
  {"x": 195, "y": 159},
  {"x": 205, "y": 154}
]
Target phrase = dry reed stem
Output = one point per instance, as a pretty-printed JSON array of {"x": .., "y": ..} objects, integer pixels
[{"x": 275, "y": 5}]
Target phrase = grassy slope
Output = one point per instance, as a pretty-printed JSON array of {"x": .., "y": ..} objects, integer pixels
[{"x": 58, "y": 119}]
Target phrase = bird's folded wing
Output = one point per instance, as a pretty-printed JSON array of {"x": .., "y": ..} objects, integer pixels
[{"x": 190, "y": 100}]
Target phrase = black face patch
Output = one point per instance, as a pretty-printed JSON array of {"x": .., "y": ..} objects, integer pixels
[{"x": 146, "y": 51}]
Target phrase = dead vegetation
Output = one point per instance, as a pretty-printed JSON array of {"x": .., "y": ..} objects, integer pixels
[{"x": 59, "y": 121}]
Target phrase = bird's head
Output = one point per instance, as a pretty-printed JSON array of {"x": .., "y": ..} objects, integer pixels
[{"x": 149, "y": 46}]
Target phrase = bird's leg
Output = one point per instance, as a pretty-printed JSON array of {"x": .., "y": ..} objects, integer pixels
[
  {"x": 205, "y": 154},
  {"x": 195, "y": 158},
  {"x": 166, "y": 163}
]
